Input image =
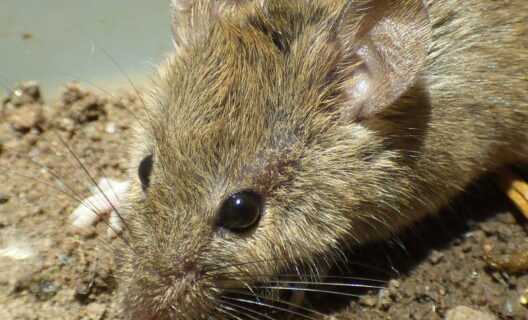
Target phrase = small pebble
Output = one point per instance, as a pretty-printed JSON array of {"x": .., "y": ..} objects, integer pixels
[
  {"x": 4, "y": 198},
  {"x": 26, "y": 92},
  {"x": 72, "y": 92},
  {"x": 465, "y": 313},
  {"x": 44, "y": 290},
  {"x": 111, "y": 127},
  {"x": 394, "y": 291},
  {"x": 87, "y": 109},
  {"x": 523, "y": 299},
  {"x": 95, "y": 310},
  {"x": 25, "y": 117},
  {"x": 435, "y": 257},
  {"x": 384, "y": 299},
  {"x": 368, "y": 301}
]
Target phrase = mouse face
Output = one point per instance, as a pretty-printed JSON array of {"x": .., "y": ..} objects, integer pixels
[{"x": 253, "y": 157}]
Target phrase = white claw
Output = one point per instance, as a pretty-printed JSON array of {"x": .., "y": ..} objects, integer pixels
[{"x": 106, "y": 198}]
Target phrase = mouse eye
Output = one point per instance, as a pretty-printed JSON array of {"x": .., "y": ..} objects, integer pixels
[
  {"x": 144, "y": 170},
  {"x": 240, "y": 211}
]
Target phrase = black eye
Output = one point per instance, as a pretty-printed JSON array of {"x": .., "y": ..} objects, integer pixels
[
  {"x": 240, "y": 211},
  {"x": 144, "y": 170}
]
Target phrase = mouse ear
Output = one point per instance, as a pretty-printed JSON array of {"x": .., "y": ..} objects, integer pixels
[
  {"x": 191, "y": 18},
  {"x": 385, "y": 43}
]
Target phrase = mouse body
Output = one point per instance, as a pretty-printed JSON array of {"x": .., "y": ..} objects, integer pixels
[{"x": 281, "y": 132}]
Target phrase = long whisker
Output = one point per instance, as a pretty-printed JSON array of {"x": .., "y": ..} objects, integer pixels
[
  {"x": 50, "y": 171},
  {"x": 133, "y": 86},
  {"x": 369, "y": 267},
  {"x": 290, "y": 288},
  {"x": 246, "y": 309},
  {"x": 267, "y": 305},
  {"x": 115, "y": 99},
  {"x": 108, "y": 93},
  {"x": 241, "y": 264},
  {"x": 289, "y": 304},
  {"x": 304, "y": 276},
  {"x": 91, "y": 178},
  {"x": 335, "y": 284},
  {"x": 69, "y": 195},
  {"x": 223, "y": 310},
  {"x": 248, "y": 286},
  {"x": 74, "y": 194},
  {"x": 239, "y": 310},
  {"x": 5, "y": 86},
  {"x": 91, "y": 83},
  {"x": 284, "y": 259}
]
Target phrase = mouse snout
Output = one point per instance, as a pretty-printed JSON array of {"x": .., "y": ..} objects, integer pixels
[
  {"x": 184, "y": 268},
  {"x": 174, "y": 271},
  {"x": 172, "y": 288}
]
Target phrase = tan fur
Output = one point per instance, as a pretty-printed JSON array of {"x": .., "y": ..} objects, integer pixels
[{"x": 232, "y": 110}]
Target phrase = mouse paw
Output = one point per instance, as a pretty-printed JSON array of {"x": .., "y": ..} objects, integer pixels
[
  {"x": 105, "y": 200},
  {"x": 516, "y": 188}
]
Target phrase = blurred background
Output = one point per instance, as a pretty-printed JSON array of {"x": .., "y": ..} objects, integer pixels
[{"x": 55, "y": 41}]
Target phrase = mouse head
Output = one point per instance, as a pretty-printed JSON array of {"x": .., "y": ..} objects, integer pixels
[{"x": 253, "y": 158}]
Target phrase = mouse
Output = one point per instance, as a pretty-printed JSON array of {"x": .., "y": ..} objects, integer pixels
[{"x": 279, "y": 133}]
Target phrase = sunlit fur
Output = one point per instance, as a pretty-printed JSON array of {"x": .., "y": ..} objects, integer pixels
[{"x": 253, "y": 99}]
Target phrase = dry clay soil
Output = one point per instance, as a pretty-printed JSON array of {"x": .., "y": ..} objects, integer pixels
[{"x": 48, "y": 270}]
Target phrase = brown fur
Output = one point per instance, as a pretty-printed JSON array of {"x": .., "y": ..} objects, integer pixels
[{"x": 257, "y": 99}]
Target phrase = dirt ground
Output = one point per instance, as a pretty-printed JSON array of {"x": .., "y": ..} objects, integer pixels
[{"x": 48, "y": 270}]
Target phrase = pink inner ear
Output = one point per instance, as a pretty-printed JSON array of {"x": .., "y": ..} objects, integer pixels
[
  {"x": 364, "y": 85},
  {"x": 390, "y": 42},
  {"x": 357, "y": 94}
]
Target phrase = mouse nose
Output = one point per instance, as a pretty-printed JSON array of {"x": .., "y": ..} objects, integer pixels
[
  {"x": 189, "y": 265},
  {"x": 175, "y": 270}
]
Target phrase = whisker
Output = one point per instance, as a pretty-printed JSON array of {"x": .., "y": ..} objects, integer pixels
[
  {"x": 246, "y": 309},
  {"x": 47, "y": 184},
  {"x": 306, "y": 276},
  {"x": 91, "y": 178},
  {"x": 248, "y": 286},
  {"x": 289, "y": 288},
  {"x": 74, "y": 194},
  {"x": 2, "y": 84},
  {"x": 274, "y": 307},
  {"x": 108, "y": 93},
  {"x": 221, "y": 309},
  {"x": 243, "y": 264},
  {"x": 369, "y": 267},
  {"x": 69, "y": 195},
  {"x": 133, "y": 86},
  {"x": 50, "y": 171},
  {"x": 289, "y": 304},
  {"x": 285, "y": 259},
  {"x": 113, "y": 98},
  {"x": 233, "y": 307},
  {"x": 336, "y": 284}
]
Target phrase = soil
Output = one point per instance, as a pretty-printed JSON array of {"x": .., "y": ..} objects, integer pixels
[{"x": 51, "y": 271}]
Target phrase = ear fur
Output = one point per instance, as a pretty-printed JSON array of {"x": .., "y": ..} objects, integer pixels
[
  {"x": 191, "y": 18},
  {"x": 385, "y": 44},
  {"x": 188, "y": 20}
]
